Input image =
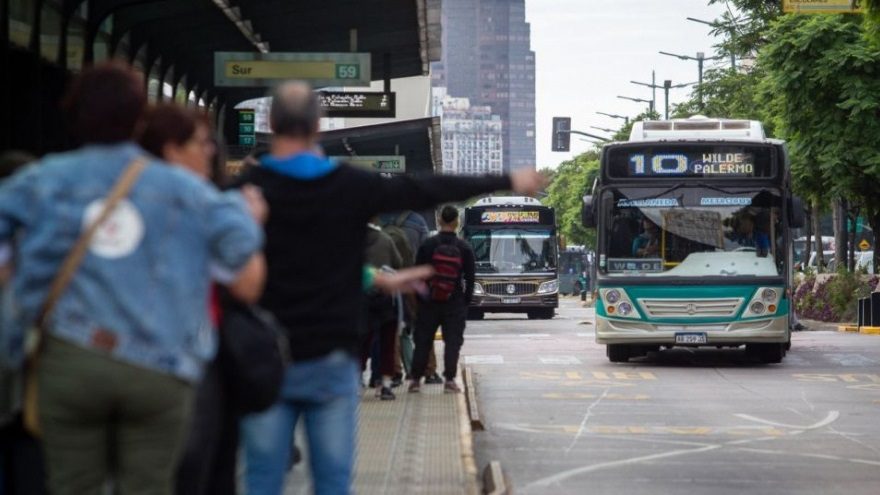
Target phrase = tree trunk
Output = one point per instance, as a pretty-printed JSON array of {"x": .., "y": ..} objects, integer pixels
[
  {"x": 817, "y": 232},
  {"x": 851, "y": 253},
  {"x": 839, "y": 220},
  {"x": 808, "y": 247}
]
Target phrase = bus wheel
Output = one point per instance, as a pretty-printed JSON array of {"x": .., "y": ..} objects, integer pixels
[
  {"x": 475, "y": 314},
  {"x": 766, "y": 353},
  {"x": 617, "y": 353}
]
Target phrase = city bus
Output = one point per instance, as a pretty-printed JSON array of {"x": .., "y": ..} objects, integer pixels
[
  {"x": 694, "y": 220},
  {"x": 515, "y": 250}
]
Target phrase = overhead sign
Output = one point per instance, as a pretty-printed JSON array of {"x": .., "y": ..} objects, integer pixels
[
  {"x": 511, "y": 217},
  {"x": 384, "y": 164},
  {"x": 247, "y": 127},
  {"x": 358, "y": 104},
  {"x": 561, "y": 136},
  {"x": 252, "y": 69},
  {"x": 823, "y": 6}
]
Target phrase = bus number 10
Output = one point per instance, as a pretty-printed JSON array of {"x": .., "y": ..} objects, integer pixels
[{"x": 673, "y": 163}]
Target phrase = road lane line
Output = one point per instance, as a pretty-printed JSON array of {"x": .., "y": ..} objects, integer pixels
[
  {"x": 565, "y": 359},
  {"x": 534, "y": 335},
  {"x": 832, "y": 417},
  {"x": 587, "y": 418},
  {"x": 484, "y": 359}
]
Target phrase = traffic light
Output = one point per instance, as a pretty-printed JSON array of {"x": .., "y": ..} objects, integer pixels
[{"x": 561, "y": 136}]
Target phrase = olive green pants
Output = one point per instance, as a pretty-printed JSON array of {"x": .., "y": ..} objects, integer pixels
[{"x": 103, "y": 419}]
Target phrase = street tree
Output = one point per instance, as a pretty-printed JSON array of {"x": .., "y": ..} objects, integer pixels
[
  {"x": 571, "y": 181},
  {"x": 822, "y": 90}
]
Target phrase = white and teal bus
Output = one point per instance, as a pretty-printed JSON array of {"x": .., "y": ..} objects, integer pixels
[{"x": 694, "y": 220}]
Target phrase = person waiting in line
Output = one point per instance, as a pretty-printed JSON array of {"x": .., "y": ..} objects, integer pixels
[
  {"x": 450, "y": 294},
  {"x": 127, "y": 337},
  {"x": 182, "y": 137},
  {"x": 381, "y": 321},
  {"x": 315, "y": 245},
  {"x": 647, "y": 244}
]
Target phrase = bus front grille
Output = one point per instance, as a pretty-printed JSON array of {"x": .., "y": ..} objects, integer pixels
[
  {"x": 690, "y": 308},
  {"x": 504, "y": 288}
]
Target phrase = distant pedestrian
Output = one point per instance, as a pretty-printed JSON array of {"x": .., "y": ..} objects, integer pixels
[
  {"x": 182, "y": 137},
  {"x": 450, "y": 292},
  {"x": 130, "y": 333},
  {"x": 382, "y": 313},
  {"x": 315, "y": 245}
]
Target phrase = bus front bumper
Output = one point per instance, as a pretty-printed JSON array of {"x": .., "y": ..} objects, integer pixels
[
  {"x": 514, "y": 304},
  {"x": 764, "y": 330}
]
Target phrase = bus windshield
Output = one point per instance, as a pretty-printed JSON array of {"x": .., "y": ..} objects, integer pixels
[
  {"x": 513, "y": 250},
  {"x": 693, "y": 232}
]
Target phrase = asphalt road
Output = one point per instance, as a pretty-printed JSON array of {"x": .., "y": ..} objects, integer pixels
[{"x": 562, "y": 419}]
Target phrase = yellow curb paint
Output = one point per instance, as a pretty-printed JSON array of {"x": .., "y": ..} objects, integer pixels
[
  {"x": 870, "y": 330},
  {"x": 847, "y": 328}
]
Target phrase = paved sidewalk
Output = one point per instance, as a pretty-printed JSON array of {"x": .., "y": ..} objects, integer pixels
[{"x": 417, "y": 444}]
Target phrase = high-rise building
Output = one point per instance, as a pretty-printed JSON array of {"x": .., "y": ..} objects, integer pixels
[
  {"x": 472, "y": 136},
  {"x": 487, "y": 58}
]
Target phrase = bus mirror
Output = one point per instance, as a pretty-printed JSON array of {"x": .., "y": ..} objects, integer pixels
[
  {"x": 588, "y": 216},
  {"x": 796, "y": 215}
]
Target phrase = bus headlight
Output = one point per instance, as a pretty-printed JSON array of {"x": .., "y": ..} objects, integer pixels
[
  {"x": 624, "y": 309},
  {"x": 757, "y": 307},
  {"x": 548, "y": 287},
  {"x": 612, "y": 296},
  {"x": 765, "y": 302},
  {"x": 769, "y": 295},
  {"x": 478, "y": 289}
]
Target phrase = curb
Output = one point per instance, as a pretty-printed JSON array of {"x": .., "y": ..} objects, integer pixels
[
  {"x": 470, "y": 392},
  {"x": 494, "y": 481},
  {"x": 468, "y": 464},
  {"x": 847, "y": 328},
  {"x": 870, "y": 330}
]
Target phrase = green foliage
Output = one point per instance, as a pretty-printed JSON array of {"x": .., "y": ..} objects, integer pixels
[
  {"x": 571, "y": 181},
  {"x": 844, "y": 291},
  {"x": 745, "y": 23},
  {"x": 727, "y": 93},
  {"x": 821, "y": 87}
]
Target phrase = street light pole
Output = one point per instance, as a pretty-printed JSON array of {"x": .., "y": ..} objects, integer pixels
[
  {"x": 639, "y": 100},
  {"x": 615, "y": 116},
  {"x": 700, "y": 58},
  {"x": 730, "y": 29}
]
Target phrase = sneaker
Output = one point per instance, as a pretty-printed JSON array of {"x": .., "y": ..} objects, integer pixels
[
  {"x": 433, "y": 380},
  {"x": 451, "y": 387},
  {"x": 375, "y": 381},
  {"x": 385, "y": 393},
  {"x": 396, "y": 381},
  {"x": 414, "y": 387}
]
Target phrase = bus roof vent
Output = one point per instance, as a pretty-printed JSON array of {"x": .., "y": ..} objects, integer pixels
[
  {"x": 507, "y": 201},
  {"x": 697, "y": 127}
]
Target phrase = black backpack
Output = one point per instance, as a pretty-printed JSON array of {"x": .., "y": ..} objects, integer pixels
[{"x": 447, "y": 263}]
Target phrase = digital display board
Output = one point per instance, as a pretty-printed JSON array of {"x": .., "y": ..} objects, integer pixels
[
  {"x": 690, "y": 161},
  {"x": 358, "y": 104},
  {"x": 510, "y": 217}
]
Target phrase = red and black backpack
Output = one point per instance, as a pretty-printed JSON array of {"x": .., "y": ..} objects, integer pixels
[{"x": 447, "y": 264}]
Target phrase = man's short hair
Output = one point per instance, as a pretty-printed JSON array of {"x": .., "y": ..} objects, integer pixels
[
  {"x": 295, "y": 111},
  {"x": 105, "y": 102},
  {"x": 449, "y": 214}
]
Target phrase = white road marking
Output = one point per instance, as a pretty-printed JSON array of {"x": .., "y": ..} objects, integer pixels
[
  {"x": 850, "y": 360},
  {"x": 832, "y": 417},
  {"x": 586, "y": 418},
  {"x": 587, "y": 334},
  {"x": 559, "y": 360},
  {"x": 478, "y": 336},
  {"x": 484, "y": 359},
  {"x": 534, "y": 335}
]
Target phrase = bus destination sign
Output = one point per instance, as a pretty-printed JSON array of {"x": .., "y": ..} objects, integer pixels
[
  {"x": 510, "y": 217},
  {"x": 690, "y": 160}
]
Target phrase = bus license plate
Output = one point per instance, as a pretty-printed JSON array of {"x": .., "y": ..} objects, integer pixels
[
  {"x": 511, "y": 300},
  {"x": 690, "y": 338}
]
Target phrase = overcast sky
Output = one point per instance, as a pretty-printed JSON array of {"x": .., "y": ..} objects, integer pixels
[{"x": 587, "y": 51}]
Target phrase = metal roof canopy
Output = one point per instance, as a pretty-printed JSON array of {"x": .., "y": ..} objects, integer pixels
[
  {"x": 418, "y": 140},
  {"x": 402, "y": 36}
]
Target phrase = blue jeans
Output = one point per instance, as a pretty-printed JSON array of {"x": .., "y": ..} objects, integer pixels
[{"x": 325, "y": 392}]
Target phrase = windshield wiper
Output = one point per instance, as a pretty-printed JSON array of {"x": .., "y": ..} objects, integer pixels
[{"x": 699, "y": 184}]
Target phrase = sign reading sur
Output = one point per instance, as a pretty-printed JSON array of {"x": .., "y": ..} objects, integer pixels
[
  {"x": 383, "y": 164},
  {"x": 252, "y": 69}
]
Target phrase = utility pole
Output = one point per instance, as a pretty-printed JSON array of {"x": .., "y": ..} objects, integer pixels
[
  {"x": 731, "y": 29},
  {"x": 639, "y": 100},
  {"x": 615, "y": 116},
  {"x": 700, "y": 58},
  {"x": 667, "y": 85}
]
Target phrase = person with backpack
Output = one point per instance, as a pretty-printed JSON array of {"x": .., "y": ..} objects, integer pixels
[
  {"x": 409, "y": 230},
  {"x": 449, "y": 293},
  {"x": 382, "y": 320}
]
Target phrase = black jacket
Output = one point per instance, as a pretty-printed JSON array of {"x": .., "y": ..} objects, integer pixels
[
  {"x": 316, "y": 239},
  {"x": 464, "y": 291}
]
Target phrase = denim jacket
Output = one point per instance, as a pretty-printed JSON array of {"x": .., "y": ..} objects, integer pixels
[{"x": 141, "y": 292}]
